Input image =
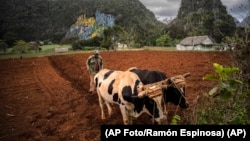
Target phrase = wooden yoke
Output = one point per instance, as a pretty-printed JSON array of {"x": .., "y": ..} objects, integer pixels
[
  {"x": 155, "y": 89},
  {"x": 152, "y": 90}
]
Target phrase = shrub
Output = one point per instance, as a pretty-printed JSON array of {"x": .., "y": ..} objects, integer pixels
[
  {"x": 84, "y": 44},
  {"x": 69, "y": 40},
  {"x": 21, "y": 46},
  {"x": 226, "y": 102}
]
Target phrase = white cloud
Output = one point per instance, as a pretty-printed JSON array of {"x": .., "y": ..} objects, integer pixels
[
  {"x": 237, "y": 8},
  {"x": 169, "y": 8},
  {"x": 163, "y": 8}
]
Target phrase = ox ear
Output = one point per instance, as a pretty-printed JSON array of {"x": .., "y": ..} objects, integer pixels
[{"x": 186, "y": 75}]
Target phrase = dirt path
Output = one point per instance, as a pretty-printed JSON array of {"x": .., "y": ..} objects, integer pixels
[{"x": 47, "y": 98}]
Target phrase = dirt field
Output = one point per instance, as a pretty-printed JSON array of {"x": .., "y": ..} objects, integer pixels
[{"x": 47, "y": 99}]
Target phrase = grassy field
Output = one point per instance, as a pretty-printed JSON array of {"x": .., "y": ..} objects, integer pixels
[
  {"x": 48, "y": 50},
  {"x": 160, "y": 48}
]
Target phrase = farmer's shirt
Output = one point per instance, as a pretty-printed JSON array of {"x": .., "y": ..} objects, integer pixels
[{"x": 94, "y": 64}]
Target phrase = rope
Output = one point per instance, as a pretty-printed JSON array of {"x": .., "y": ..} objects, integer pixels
[
  {"x": 152, "y": 96},
  {"x": 155, "y": 89},
  {"x": 153, "y": 114},
  {"x": 180, "y": 82}
]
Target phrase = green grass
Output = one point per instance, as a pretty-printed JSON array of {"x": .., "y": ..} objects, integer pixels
[
  {"x": 51, "y": 48},
  {"x": 48, "y": 50},
  {"x": 160, "y": 48}
]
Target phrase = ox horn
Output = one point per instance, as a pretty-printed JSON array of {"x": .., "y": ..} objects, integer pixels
[{"x": 186, "y": 75}]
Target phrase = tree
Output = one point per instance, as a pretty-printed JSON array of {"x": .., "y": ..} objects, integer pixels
[
  {"x": 164, "y": 40},
  {"x": 3, "y": 46},
  {"x": 21, "y": 46},
  {"x": 35, "y": 46},
  {"x": 111, "y": 35}
]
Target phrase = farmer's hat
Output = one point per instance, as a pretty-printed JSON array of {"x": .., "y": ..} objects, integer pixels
[{"x": 96, "y": 52}]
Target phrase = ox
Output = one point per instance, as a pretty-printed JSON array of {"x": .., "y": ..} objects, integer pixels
[
  {"x": 121, "y": 87},
  {"x": 171, "y": 93}
]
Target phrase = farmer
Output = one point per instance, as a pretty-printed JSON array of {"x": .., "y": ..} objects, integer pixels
[{"x": 94, "y": 64}]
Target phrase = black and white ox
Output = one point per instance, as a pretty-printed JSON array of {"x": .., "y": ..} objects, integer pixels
[
  {"x": 122, "y": 88},
  {"x": 172, "y": 91}
]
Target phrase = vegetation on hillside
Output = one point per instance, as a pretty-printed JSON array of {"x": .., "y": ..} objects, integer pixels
[
  {"x": 32, "y": 20},
  {"x": 206, "y": 17}
]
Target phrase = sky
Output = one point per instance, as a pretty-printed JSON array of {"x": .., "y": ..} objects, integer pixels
[{"x": 168, "y": 9}]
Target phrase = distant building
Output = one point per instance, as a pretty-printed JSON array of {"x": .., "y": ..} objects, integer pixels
[
  {"x": 204, "y": 43},
  {"x": 121, "y": 46}
]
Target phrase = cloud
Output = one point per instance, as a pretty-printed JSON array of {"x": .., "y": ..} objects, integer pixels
[
  {"x": 169, "y": 8},
  {"x": 239, "y": 9},
  {"x": 163, "y": 8}
]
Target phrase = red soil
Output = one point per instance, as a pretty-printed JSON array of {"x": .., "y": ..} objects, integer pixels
[{"x": 47, "y": 98}]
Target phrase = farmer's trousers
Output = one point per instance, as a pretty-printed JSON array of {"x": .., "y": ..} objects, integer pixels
[{"x": 92, "y": 84}]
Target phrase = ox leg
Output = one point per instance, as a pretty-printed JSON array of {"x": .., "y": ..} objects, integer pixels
[
  {"x": 124, "y": 114},
  {"x": 101, "y": 106},
  {"x": 109, "y": 108},
  {"x": 163, "y": 118},
  {"x": 131, "y": 117}
]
